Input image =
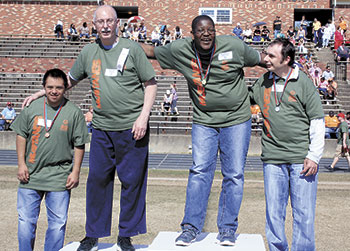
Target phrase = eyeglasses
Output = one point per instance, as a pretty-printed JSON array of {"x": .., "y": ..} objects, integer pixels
[
  {"x": 101, "y": 22},
  {"x": 209, "y": 31}
]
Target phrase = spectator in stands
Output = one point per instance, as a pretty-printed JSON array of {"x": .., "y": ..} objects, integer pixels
[
  {"x": 281, "y": 34},
  {"x": 328, "y": 74},
  {"x": 135, "y": 33},
  {"x": 142, "y": 32},
  {"x": 173, "y": 90},
  {"x": 338, "y": 38},
  {"x": 167, "y": 37},
  {"x": 342, "y": 53},
  {"x": 277, "y": 25},
  {"x": 265, "y": 33},
  {"x": 59, "y": 29},
  {"x": 301, "y": 46},
  {"x": 316, "y": 25},
  {"x": 331, "y": 26},
  {"x": 343, "y": 25},
  {"x": 166, "y": 104},
  {"x": 304, "y": 24},
  {"x": 247, "y": 34},
  {"x": 155, "y": 37},
  {"x": 72, "y": 33},
  {"x": 257, "y": 34},
  {"x": 130, "y": 30},
  {"x": 331, "y": 123},
  {"x": 88, "y": 118},
  {"x": 343, "y": 145},
  {"x": 316, "y": 78},
  {"x": 323, "y": 87},
  {"x": 8, "y": 115},
  {"x": 327, "y": 34},
  {"x": 46, "y": 145},
  {"x": 300, "y": 34},
  {"x": 332, "y": 89},
  {"x": 123, "y": 30},
  {"x": 320, "y": 38},
  {"x": 256, "y": 115},
  {"x": 178, "y": 33},
  {"x": 291, "y": 34},
  {"x": 94, "y": 32},
  {"x": 221, "y": 121},
  {"x": 237, "y": 31},
  {"x": 84, "y": 31}
]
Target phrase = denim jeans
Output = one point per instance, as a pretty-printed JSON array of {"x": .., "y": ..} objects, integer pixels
[
  {"x": 28, "y": 207},
  {"x": 233, "y": 143},
  {"x": 329, "y": 130},
  {"x": 282, "y": 181}
]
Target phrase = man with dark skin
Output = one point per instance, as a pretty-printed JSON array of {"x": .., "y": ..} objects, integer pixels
[{"x": 213, "y": 67}]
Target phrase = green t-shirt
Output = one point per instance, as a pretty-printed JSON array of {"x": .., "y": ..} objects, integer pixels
[
  {"x": 224, "y": 100},
  {"x": 49, "y": 160},
  {"x": 343, "y": 128},
  {"x": 285, "y": 138},
  {"x": 116, "y": 84}
]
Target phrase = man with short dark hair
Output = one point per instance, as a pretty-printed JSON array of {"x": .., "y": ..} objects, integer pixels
[
  {"x": 292, "y": 146},
  {"x": 47, "y": 132},
  {"x": 342, "y": 149},
  {"x": 342, "y": 53}
]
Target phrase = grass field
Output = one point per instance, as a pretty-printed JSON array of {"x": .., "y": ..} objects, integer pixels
[{"x": 165, "y": 205}]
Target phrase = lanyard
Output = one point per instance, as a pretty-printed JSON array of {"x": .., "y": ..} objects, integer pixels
[
  {"x": 279, "y": 101},
  {"x": 204, "y": 78},
  {"x": 47, "y": 129}
]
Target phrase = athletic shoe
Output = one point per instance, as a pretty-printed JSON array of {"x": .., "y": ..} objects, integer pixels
[
  {"x": 330, "y": 168},
  {"x": 88, "y": 244},
  {"x": 124, "y": 244},
  {"x": 227, "y": 238},
  {"x": 186, "y": 237}
]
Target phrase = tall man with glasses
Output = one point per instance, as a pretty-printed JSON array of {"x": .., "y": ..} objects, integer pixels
[
  {"x": 213, "y": 67},
  {"x": 292, "y": 146},
  {"x": 116, "y": 69}
]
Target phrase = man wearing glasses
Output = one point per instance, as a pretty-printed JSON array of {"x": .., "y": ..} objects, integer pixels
[
  {"x": 213, "y": 67},
  {"x": 116, "y": 69}
]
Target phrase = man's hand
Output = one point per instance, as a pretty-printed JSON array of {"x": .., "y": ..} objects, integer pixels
[
  {"x": 72, "y": 180},
  {"x": 23, "y": 173},
  {"x": 139, "y": 128},
  {"x": 310, "y": 167},
  {"x": 32, "y": 97}
]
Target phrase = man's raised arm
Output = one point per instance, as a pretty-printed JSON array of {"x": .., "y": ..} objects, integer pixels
[{"x": 149, "y": 50}]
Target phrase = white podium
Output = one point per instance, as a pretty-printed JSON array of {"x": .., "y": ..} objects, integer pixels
[{"x": 165, "y": 241}]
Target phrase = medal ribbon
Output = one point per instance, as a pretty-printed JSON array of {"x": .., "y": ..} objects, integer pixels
[
  {"x": 200, "y": 64},
  {"x": 45, "y": 112},
  {"x": 284, "y": 87}
]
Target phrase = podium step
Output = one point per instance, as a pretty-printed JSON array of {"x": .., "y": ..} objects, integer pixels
[
  {"x": 165, "y": 241},
  {"x": 73, "y": 246}
]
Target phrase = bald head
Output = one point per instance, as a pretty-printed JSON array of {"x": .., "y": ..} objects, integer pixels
[{"x": 105, "y": 8}]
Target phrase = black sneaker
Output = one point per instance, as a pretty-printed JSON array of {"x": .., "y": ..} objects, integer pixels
[
  {"x": 330, "y": 168},
  {"x": 124, "y": 244},
  {"x": 186, "y": 237},
  {"x": 88, "y": 244}
]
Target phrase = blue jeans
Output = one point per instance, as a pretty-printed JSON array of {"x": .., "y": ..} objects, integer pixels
[
  {"x": 233, "y": 143},
  {"x": 280, "y": 182},
  {"x": 330, "y": 130},
  {"x": 28, "y": 207}
]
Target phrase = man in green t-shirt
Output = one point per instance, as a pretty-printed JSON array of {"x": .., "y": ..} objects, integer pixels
[
  {"x": 292, "y": 146},
  {"x": 343, "y": 145},
  {"x": 213, "y": 67},
  {"x": 47, "y": 132},
  {"x": 116, "y": 68}
]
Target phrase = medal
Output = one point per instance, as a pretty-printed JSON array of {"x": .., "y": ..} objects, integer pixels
[
  {"x": 279, "y": 101},
  {"x": 204, "y": 77},
  {"x": 47, "y": 129}
]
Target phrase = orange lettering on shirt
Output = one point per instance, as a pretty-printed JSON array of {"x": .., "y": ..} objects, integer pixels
[
  {"x": 198, "y": 83},
  {"x": 35, "y": 139},
  {"x": 96, "y": 71},
  {"x": 265, "y": 111}
]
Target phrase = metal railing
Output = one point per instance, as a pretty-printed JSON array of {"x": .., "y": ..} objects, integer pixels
[{"x": 339, "y": 69}]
